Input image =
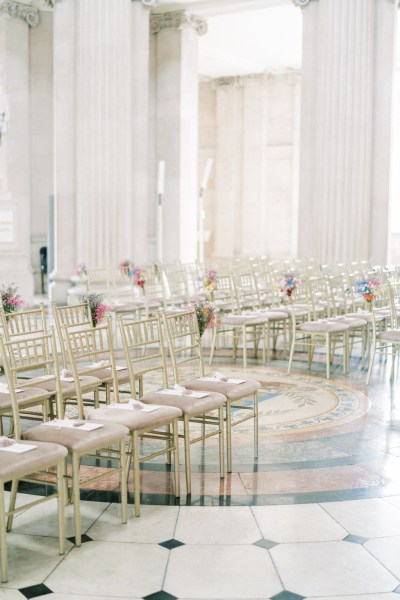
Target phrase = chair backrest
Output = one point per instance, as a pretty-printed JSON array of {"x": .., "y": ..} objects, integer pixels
[
  {"x": 245, "y": 290},
  {"x": 71, "y": 316},
  {"x": 24, "y": 323},
  {"x": 22, "y": 356},
  {"x": 144, "y": 348},
  {"x": 184, "y": 343},
  {"x": 87, "y": 349}
]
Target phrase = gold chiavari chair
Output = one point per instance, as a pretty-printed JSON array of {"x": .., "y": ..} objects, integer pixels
[
  {"x": 19, "y": 460},
  {"x": 138, "y": 420},
  {"x": 185, "y": 349},
  {"x": 78, "y": 316},
  {"x": 145, "y": 351},
  {"x": 78, "y": 437}
]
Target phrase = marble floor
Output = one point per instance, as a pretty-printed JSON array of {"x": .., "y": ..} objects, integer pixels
[{"x": 316, "y": 516}]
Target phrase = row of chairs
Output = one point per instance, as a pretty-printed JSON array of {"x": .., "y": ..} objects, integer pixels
[{"x": 204, "y": 405}]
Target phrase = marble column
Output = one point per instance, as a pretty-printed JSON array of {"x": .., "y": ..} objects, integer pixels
[
  {"x": 348, "y": 50},
  {"x": 176, "y": 90},
  {"x": 101, "y": 129},
  {"x": 15, "y": 211},
  {"x": 140, "y": 51},
  {"x": 253, "y": 205},
  {"x": 228, "y": 172}
]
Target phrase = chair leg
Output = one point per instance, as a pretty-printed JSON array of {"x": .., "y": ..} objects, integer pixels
[
  {"x": 186, "y": 441},
  {"x": 123, "y": 482},
  {"x": 244, "y": 346},
  {"x": 328, "y": 355},
  {"x": 76, "y": 498},
  {"x": 221, "y": 442},
  {"x": 13, "y": 498},
  {"x": 3, "y": 540},
  {"x": 169, "y": 444},
  {"x": 176, "y": 459},
  {"x": 61, "y": 501},
  {"x": 228, "y": 436},
  {"x": 291, "y": 353},
  {"x": 136, "y": 472},
  {"x": 255, "y": 400}
]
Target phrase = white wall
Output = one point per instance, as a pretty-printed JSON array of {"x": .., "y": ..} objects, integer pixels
[{"x": 249, "y": 125}]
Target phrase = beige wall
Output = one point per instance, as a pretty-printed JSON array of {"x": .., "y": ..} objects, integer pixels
[{"x": 249, "y": 126}]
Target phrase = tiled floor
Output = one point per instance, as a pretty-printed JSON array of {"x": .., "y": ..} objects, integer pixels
[{"x": 316, "y": 516}]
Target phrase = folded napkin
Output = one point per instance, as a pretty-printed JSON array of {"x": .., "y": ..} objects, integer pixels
[
  {"x": 73, "y": 423},
  {"x": 66, "y": 375},
  {"x": 9, "y": 445},
  {"x": 220, "y": 377},
  {"x": 178, "y": 390},
  {"x": 4, "y": 389},
  {"x": 101, "y": 364},
  {"x": 5, "y": 441},
  {"x": 223, "y": 379},
  {"x": 134, "y": 405}
]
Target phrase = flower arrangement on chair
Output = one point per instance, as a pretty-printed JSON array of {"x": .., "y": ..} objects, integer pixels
[
  {"x": 206, "y": 315},
  {"x": 367, "y": 288},
  {"x": 288, "y": 283},
  {"x": 10, "y": 298},
  {"x": 139, "y": 276},
  {"x": 125, "y": 266},
  {"x": 81, "y": 270},
  {"x": 98, "y": 310},
  {"x": 209, "y": 281}
]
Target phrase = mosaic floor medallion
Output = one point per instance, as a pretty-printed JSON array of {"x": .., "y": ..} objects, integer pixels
[{"x": 303, "y": 403}]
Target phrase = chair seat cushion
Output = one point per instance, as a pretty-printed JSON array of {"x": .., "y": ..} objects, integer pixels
[
  {"x": 351, "y": 322},
  {"x": 232, "y": 391},
  {"x": 322, "y": 327},
  {"x": 13, "y": 466},
  {"x": 135, "y": 420},
  {"x": 389, "y": 336},
  {"x": 244, "y": 319},
  {"x": 273, "y": 315},
  {"x": 365, "y": 316},
  {"x": 77, "y": 440},
  {"x": 186, "y": 403},
  {"x": 26, "y": 398}
]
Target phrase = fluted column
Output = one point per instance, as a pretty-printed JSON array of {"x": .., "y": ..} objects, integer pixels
[
  {"x": 176, "y": 91},
  {"x": 228, "y": 174},
  {"x": 15, "y": 209},
  {"x": 103, "y": 126},
  {"x": 140, "y": 129},
  {"x": 101, "y": 133},
  {"x": 253, "y": 206},
  {"x": 344, "y": 167}
]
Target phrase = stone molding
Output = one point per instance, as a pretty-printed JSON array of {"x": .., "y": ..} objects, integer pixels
[
  {"x": 148, "y": 3},
  {"x": 301, "y": 3},
  {"x": 178, "y": 19},
  {"x": 17, "y": 10},
  {"x": 239, "y": 80}
]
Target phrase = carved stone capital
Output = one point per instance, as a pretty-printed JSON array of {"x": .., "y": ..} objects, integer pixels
[
  {"x": 301, "y": 3},
  {"x": 178, "y": 19},
  {"x": 233, "y": 81},
  {"x": 17, "y": 10},
  {"x": 148, "y": 3}
]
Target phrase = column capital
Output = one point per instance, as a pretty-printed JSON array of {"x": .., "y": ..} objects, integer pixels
[
  {"x": 178, "y": 19},
  {"x": 18, "y": 10},
  {"x": 300, "y": 3},
  {"x": 148, "y": 3}
]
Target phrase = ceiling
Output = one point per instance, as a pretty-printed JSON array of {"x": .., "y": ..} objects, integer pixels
[{"x": 245, "y": 36}]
